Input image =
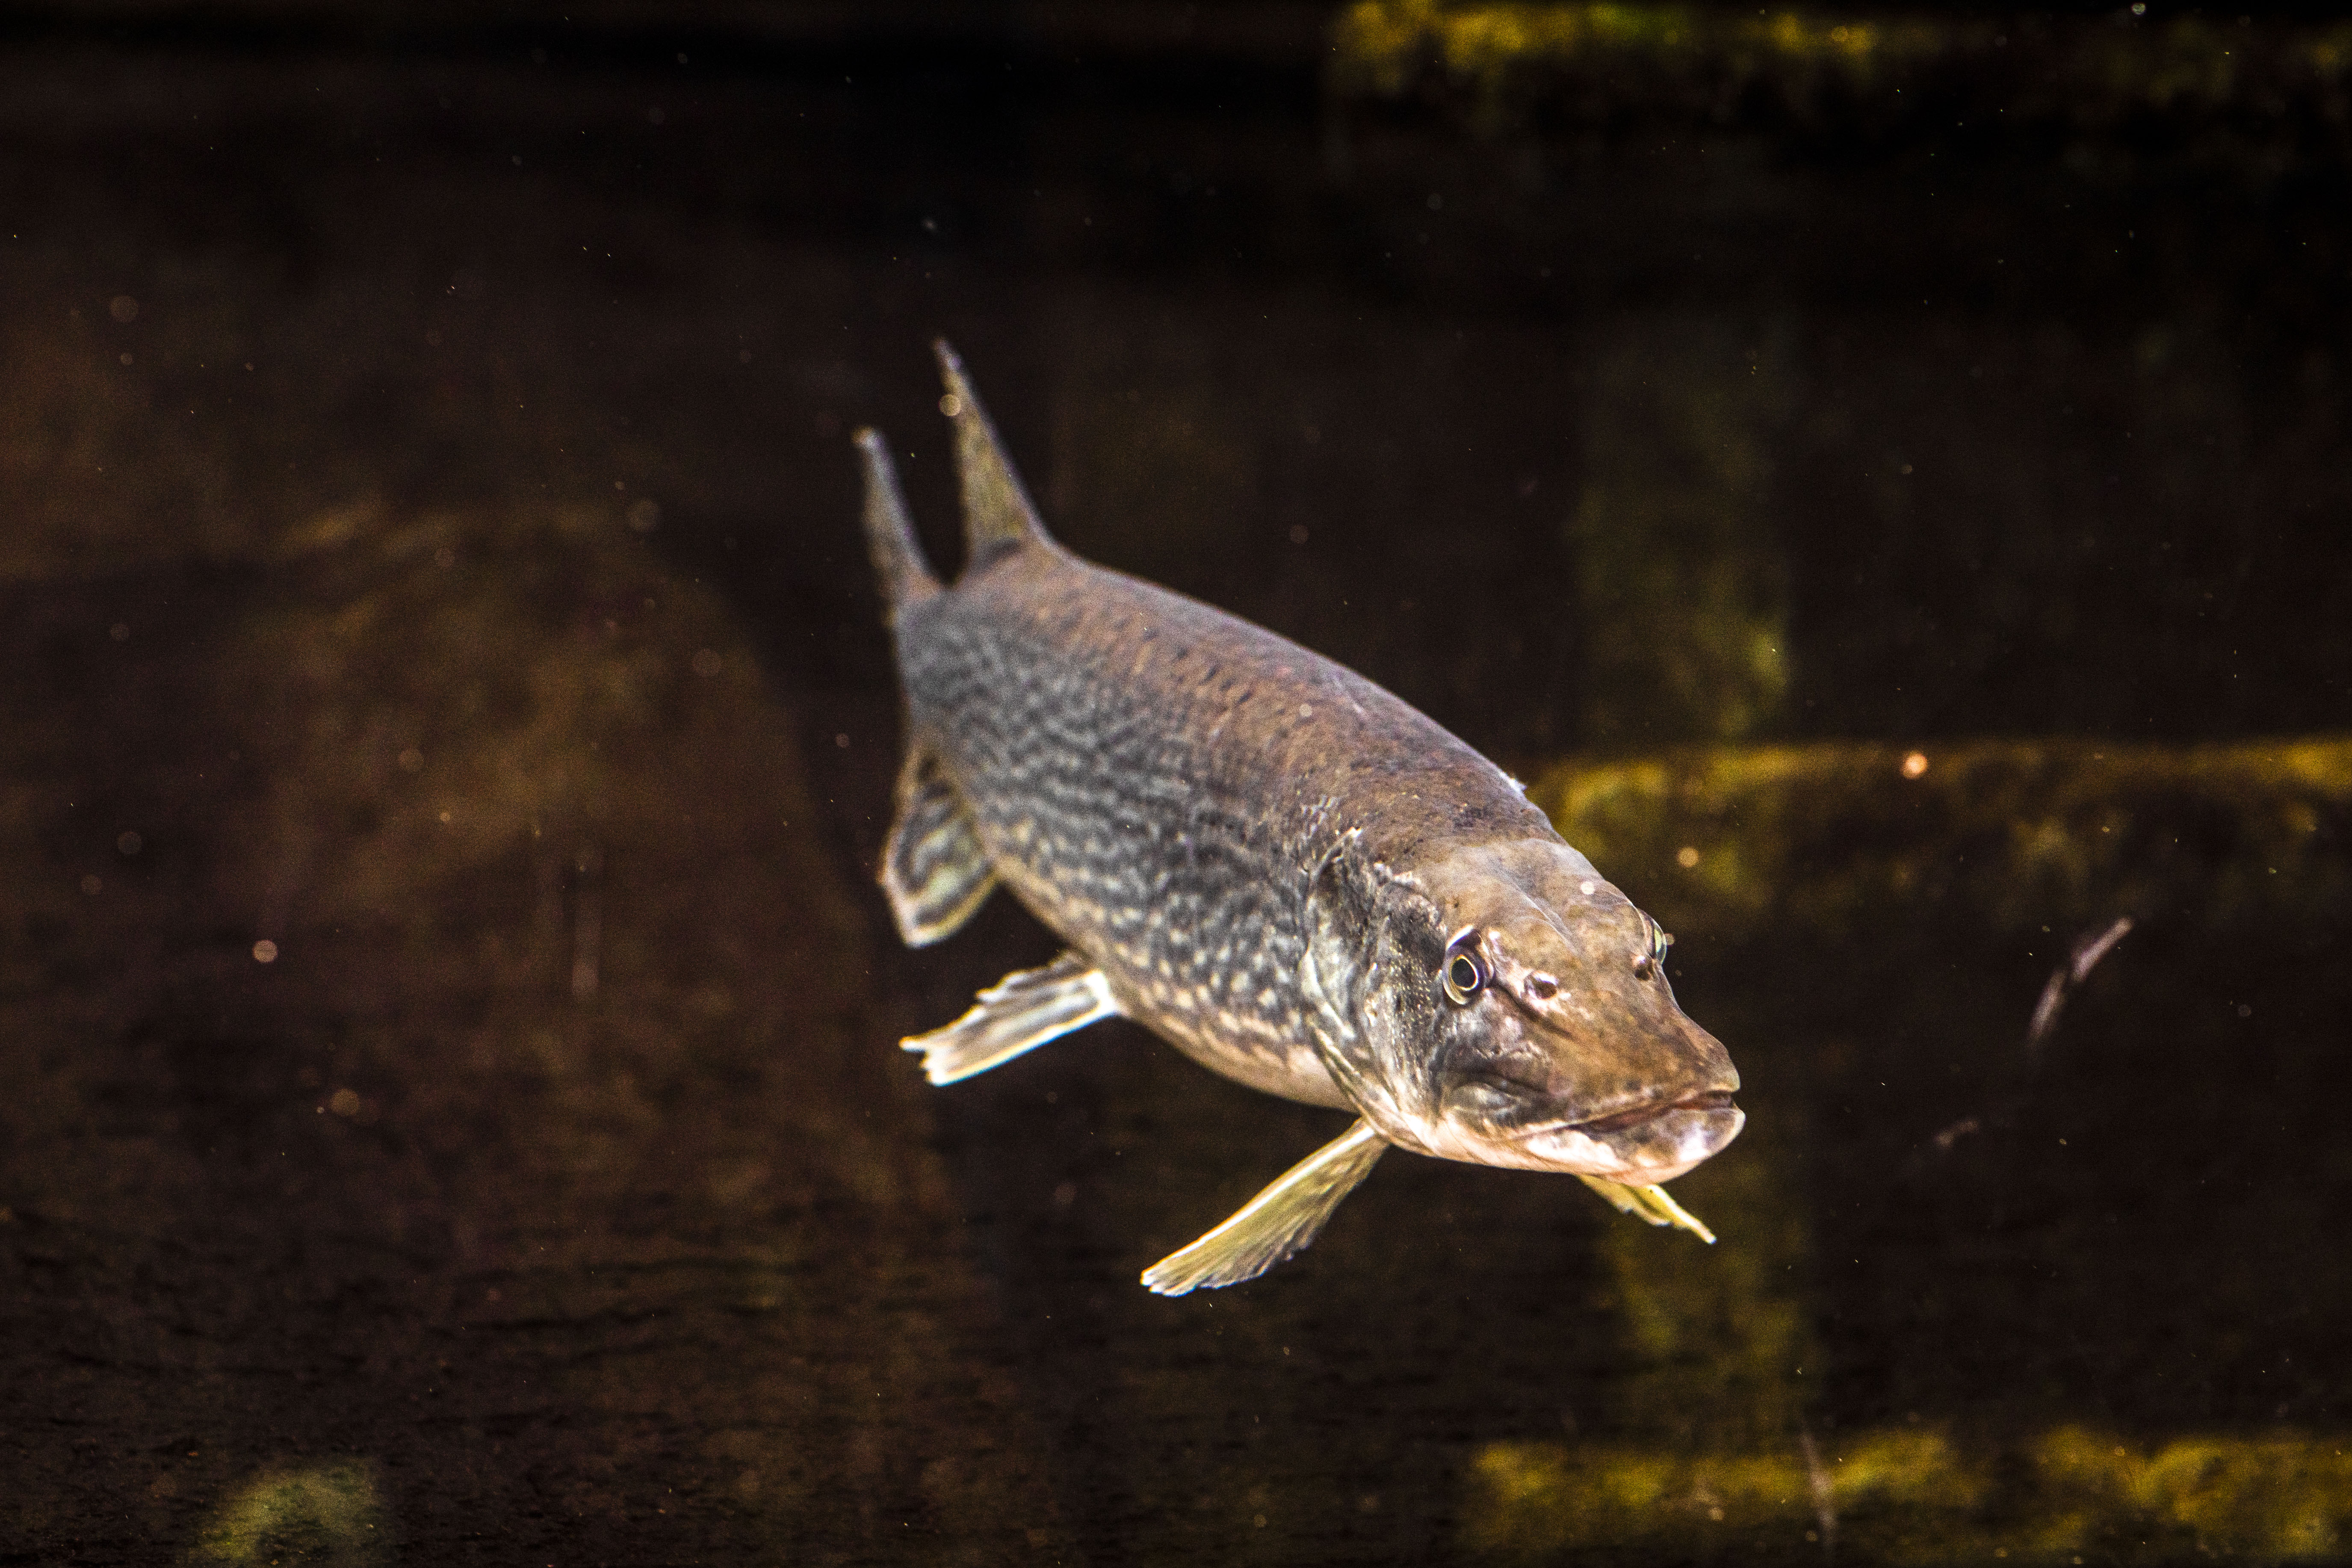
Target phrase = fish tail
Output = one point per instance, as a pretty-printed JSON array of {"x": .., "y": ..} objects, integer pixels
[
  {"x": 898, "y": 561},
  {"x": 998, "y": 517}
]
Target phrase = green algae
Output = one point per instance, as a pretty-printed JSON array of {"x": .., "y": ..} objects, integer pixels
[
  {"x": 1512, "y": 63},
  {"x": 1712, "y": 1340},
  {"x": 327, "y": 1515},
  {"x": 1727, "y": 842},
  {"x": 1532, "y": 1498},
  {"x": 1683, "y": 581},
  {"x": 1919, "y": 1495}
]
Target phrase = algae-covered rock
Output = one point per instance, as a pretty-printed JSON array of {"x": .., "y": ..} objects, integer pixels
[
  {"x": 434, "y": 1049},
  {"x": 1917, "y": 1494},
  {"x": 1728, "y": 842},
  {"x": 1511, "y": 64},
  {"x": 1681, "y": 579},
  {"x": 326, "y": 1514}
]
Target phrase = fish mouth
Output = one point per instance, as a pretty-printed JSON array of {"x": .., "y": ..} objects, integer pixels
[
  {"x": 1712, "y": 1101},
  {"x": 1646, "y": 1143}
]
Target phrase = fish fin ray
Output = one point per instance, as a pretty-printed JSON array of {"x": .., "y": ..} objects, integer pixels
[
  {"x": 1018, "y": 1013},
  {"x": 1280, "y": 1221},
  {"x": 898, "y": 562},
  {"x": 998, "y": 516},
  {"x": 1650, "y": 1203},
  {"x": 934, "y": 867}
]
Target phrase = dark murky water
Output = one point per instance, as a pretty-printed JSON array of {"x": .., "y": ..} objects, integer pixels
[{"x": 432, "y": 564}]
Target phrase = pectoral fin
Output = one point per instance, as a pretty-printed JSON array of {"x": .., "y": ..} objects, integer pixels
[
  {"x": 934, "y": 867},
  {"x": 1276, "y": 1223},
  {"x": 1019, "y": 1012},
  {"x": 1651, "y": 1203}
]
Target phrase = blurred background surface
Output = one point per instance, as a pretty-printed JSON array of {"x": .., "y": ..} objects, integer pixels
[{"x": 1881, "y": 475}]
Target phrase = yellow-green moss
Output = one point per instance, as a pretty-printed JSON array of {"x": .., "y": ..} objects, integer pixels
[
  {"x": 1722, "y": 842},
  {"x": 1915, "y": 1494},
  {"x": 1509, "y": 58},
  {"x": 1710, "y": 1338},
  {"x": 327, "y": 1515},
  {"x": 1683, "y": 584},
  {"x": 1535, "y": 1498}
]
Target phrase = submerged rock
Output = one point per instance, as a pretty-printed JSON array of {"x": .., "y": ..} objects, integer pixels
[
  {"x": 1727, "y": 842},
  {"x": 1511, "y": 64},
  {"x": 440, "y": 1040}
]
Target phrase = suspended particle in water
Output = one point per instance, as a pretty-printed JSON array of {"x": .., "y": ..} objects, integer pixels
[
  {"x": 265, "y": 951},
  {"x": 1915, "y": 765}
]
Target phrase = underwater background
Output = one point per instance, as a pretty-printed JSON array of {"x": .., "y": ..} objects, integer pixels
[{"x": 1883, "y": 478}]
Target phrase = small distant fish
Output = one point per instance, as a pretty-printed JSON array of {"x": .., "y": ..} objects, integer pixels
[{"x": 1287, "y": 873}]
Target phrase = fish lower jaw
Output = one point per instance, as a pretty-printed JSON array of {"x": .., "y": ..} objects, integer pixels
[
  {"x": 1577, "y": 1154},
  {"x": 1661, "y": 1149},
  {"x": 1564, "y": 1150}
]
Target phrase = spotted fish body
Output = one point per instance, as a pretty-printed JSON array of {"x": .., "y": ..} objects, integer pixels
[
  {"x": 1264, "y": 859},
  {"x": 1157, "y": 780}
]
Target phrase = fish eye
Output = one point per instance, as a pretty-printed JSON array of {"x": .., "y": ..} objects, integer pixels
[
  {"x": 1655, "y": 959},
  {"x": 1465, "y": 975}
]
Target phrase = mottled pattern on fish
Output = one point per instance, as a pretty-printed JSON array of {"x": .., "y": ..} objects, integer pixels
[{"x": 1157, "y": 781}]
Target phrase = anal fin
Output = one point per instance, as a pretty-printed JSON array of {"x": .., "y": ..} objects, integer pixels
[
  {"x": 1276, "y": 1223},
  {"x": 934, "y": 867},
  {"x": 1650, "y": 1203},
  {"x": 1019, "y": 1012}
]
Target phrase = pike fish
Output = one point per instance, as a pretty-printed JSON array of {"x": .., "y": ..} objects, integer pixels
[{"x": 1288, "y": 874}]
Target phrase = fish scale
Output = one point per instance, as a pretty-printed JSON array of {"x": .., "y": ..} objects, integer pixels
[
  {"x": 1049, "y": 710},
  {"x": 1295, "y": 877}
]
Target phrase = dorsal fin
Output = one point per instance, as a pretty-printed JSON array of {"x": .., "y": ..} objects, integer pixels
[
  {"x": 997, "y": 514},
  {"x": 898, "y": 561}
]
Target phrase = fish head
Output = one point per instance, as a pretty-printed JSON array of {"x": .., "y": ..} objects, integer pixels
[{"x": 1512, "y": 1008}]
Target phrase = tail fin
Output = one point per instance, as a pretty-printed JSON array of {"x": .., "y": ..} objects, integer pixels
[
  {"x": 997, "y": 514},
  {"x": 898, "y": 561}
]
